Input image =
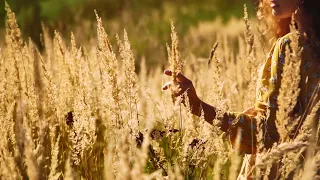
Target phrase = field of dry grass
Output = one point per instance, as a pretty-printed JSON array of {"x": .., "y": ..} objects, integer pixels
[{"x": 80, "y": 111}]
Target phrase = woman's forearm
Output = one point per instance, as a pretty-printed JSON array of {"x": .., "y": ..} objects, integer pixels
[{"x": 209, "y": 111}]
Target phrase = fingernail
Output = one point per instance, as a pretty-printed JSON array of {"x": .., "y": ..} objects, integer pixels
[{"x": 164, "y": 87}]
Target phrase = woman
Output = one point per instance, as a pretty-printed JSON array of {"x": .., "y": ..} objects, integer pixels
[{"x": 279, "y": 14}]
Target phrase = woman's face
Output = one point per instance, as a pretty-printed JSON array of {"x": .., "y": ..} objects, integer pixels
[{"x": 283, "y": 8}]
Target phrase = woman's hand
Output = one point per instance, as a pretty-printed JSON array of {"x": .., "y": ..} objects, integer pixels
[{"x": 183, "y": 85}]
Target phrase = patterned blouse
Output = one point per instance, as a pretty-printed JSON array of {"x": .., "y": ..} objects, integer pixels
[{"x": 267, "y": 93}]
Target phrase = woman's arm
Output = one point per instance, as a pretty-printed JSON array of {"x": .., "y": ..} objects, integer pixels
[
  {"x": 231, "y": 122},
  {"x": 196, "y": 105},
  {"x": 185, "y": 85},
  {"x": 244, "y": 122},
  {"x": 208, "y": 110}
]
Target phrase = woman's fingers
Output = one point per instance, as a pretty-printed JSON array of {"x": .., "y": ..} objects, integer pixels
[
  {"x": 168, "y": 72},
  {"x": 166, "y": 85},
  {"x": 180, "y": 77},
  {"x": 180, "y": 88},
  {"x": 181, "y": 85}
]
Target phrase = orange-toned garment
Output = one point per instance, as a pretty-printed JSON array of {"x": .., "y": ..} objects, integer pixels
[{"x": 267, "y": 93}]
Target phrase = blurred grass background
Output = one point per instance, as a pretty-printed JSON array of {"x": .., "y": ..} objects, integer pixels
[{"x": 146, "y": 21}]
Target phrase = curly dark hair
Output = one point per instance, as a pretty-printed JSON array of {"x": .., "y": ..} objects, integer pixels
[
  {"x": 311, "y": 11},
  {"x": 309, "y": 14}
]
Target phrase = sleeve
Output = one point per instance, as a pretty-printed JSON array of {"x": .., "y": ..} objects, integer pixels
[{"x": 266, "y": 102}]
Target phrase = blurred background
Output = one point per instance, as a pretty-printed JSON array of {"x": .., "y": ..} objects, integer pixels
[{"x": 146, "y": 21}]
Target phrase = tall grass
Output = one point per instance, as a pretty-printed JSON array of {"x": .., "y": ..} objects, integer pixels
[{"x": 80, "y": 111}]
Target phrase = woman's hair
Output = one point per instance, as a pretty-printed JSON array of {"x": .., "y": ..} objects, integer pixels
[
  {"x": 272, "y": 25},
  {"x": 309, "y": 11}
]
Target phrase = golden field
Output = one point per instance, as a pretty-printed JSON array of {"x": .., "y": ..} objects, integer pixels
[{"x": 81, "y": 111}]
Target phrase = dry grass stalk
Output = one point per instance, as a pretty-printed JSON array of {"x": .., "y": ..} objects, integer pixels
[
  {"x": 54, "y": 172},
  {"x": 68, "y": 173},
  {"x": 130, "y": 87},
  {"x": 13, "y": 34},
  {"x": 291, "y": 162},
  {"x": 311, "y": 168},
  {"x": 309, "y": 126},
  {"x": 31, "y": 157},
  {"x": 235, "y": 159},
  {"x": 176, "y": 64},
  {"x": 278, "y": 151},
  {"x": 289, "y": 90},
  {"x": 110, "y": 63},
  {"x": 217, "y": 95},
  {"x": 8, "y": 146},
  {"x": 248, "y": 34},
  {"x": 212, "y": 53},
  {"x": 250, "y": 59}
]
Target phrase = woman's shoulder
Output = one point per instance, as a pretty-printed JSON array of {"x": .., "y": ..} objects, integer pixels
[
  {"x": 292, "y": 41},
  {"x": 280, "y": 43},
  {"x": 292, "y": 37},
  {"x": 289, "y": 41}
]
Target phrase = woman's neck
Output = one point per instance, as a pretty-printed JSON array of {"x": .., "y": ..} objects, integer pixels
[{"x": 284, "y": 27}]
